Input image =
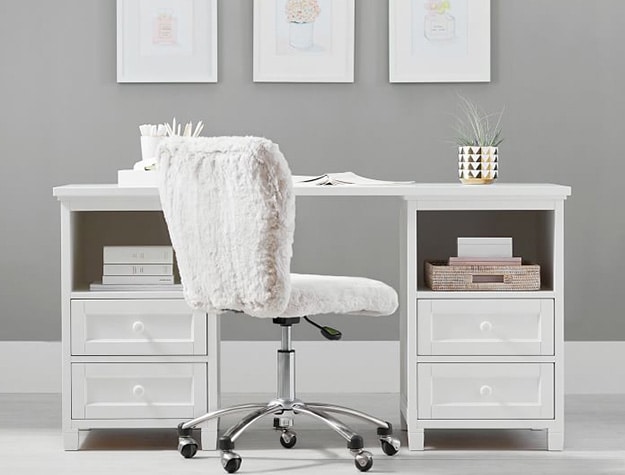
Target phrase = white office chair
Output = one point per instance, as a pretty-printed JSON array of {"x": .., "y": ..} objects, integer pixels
[{"x": 230, "y": 209}]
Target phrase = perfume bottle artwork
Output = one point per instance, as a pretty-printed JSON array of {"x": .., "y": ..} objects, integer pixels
[
  {"x": 165, "y": 29},
  {"x": 440, "y": 24}
]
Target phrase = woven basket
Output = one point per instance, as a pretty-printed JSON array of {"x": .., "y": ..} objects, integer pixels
[{"x": 440, "y": 276}]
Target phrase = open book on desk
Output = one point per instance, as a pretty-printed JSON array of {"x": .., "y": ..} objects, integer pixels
[{"x": 344, "y": 178}]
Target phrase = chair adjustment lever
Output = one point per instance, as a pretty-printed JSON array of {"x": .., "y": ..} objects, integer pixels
[{"x": 328, "y": 333}]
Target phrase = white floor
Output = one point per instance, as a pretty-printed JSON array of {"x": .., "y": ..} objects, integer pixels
[{"x": 30, "y": 443}]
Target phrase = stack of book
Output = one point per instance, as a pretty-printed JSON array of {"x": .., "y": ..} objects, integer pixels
[
  {"x": 482, "y": 264},
  {"x": 137, "y": 268}
]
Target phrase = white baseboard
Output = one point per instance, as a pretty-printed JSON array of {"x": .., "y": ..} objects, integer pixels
[
  {"x": 30, "y": 367},
  {"x": 594, "y": 367},
  {"x": 322, "y": 366}
]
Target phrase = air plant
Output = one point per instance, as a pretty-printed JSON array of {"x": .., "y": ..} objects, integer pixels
[{"x": 476, "y": 128}]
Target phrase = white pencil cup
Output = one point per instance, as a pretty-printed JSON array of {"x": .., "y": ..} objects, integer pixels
[{"x": 149, "y": 144}]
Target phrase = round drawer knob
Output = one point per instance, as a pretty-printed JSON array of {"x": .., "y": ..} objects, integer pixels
[
  {"x": 138, "y": 390},
  {"x": 486, "y": 326},
  {"x": 486, "y": 390},
  {"x": 138, "y": 327}
]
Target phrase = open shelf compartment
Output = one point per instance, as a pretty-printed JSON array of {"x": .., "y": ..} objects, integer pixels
[
  {"x": 92, "y": 230},
  {"x": 531, "y": 232}
]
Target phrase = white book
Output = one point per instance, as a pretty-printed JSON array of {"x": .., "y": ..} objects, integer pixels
[
  {"x": 138, "y": 255},
  {"x": 100, "y": 287},
  {"x": 138, "y": 279},
  {"x": 138, "y": 269},
  {"x": 343, "y": 178},
  {"x": 484, "y": 247}
]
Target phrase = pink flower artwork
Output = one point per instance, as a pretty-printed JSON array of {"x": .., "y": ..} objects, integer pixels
[{"x": 302, "y": 11}]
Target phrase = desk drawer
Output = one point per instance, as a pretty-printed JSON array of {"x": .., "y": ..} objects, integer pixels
[
  {"x": 136, "y": 327},
  {"x": 138, "y": 390},
  {"x": 485, "y": 391},
  {"x": 485, "y": 327}
]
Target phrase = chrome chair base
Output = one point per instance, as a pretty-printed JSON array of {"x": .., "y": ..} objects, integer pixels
[{"x": 283, "y": 408}]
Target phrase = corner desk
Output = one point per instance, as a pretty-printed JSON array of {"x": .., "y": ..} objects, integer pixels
[{"x": 467, "y": 359}]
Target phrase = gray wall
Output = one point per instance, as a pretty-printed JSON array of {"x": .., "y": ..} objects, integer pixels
[{"x": 557, "y": 66}]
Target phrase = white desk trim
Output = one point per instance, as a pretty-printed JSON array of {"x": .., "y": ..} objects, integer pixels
[
  {"x": 417, "y": 191},
  {"x": 429, "y": 196}
]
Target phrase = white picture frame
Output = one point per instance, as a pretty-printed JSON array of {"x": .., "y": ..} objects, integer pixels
[
  {"x": 320, "y": 48},
  {"x": 439, "y": 41},
  {"x": 171, "y": 41}
]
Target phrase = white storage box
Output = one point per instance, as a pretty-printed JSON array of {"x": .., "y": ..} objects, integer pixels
[{"x": 484, "y": 247}]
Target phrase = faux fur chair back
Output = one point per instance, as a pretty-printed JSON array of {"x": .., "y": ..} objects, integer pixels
[{"x": 230, "y": 209}]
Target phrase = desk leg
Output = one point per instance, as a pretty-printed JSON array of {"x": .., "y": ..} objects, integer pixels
[
  {"x": 208, "y": 434},
  {"x": 71, "y": 440},
  {"x": 416, "y": 439},
  {"x": 555, "y": 440}
]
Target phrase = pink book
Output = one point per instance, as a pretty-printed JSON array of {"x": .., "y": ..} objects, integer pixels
[{"x": 485, "y": 261}]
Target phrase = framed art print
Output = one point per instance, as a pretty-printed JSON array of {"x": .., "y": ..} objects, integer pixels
[
  {"x": 304, "y": 40},
  {"x": 439, "y": 40},
  {"x": 166, "y": 40}
]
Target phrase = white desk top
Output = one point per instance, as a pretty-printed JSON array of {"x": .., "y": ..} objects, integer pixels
[{"x": 417, "y": 191}]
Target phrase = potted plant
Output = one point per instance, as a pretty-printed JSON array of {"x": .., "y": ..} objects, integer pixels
[{"x": 478, "y": 139}]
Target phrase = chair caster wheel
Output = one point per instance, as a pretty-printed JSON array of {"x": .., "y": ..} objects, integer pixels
[
  {"x": 230, "y": 461},
  {"x": 363, "y": 460},
  {"x": 288, "y": 439},
  {"x": 390, "y": 446},
  {"x": 187, "y": 447}
]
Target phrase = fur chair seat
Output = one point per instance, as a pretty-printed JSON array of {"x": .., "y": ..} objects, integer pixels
[{"x": 318, "y": 294}]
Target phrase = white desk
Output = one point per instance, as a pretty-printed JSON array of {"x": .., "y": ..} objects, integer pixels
[{"x": 452, "y": 375}]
